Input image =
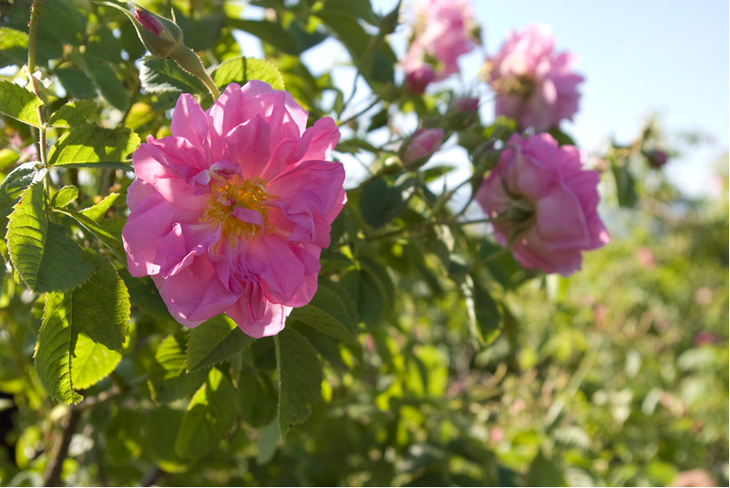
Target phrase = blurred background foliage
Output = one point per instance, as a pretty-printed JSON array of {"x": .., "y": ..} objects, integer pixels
[{"x": 468, "y": 370}]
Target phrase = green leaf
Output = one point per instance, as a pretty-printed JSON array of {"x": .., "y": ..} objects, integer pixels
[
  {"x": 501, "y": 129},
  {"x": 300, "y": 378},
  {"x": 347, "y": 300},
  {"x": 73, "y": 114},
  {"x": 256, "y": 400},
  {"x": 54, "y": 350},
  {"x": 164, "y": 75},
  {"x": 112, "y": 240},
  {"x": 100, "y": 307},
  {"x": 63, "y": 20},
  {"x": 160, "y": 431},
  {"x": 45, "y": 258},
  {"x": 200, "y": 33},
  {"x": 270, "y": 437},
  {"x": 625, "y": 185},
  {"x": 90, "y": 143},
  {"x": 213, "y": 341},
  {"x": 562, "y": 138},
  {"x": 209, "y": 416},
  {"x": 97, "y": 212},
  {"x": 64, "y": 196},
  {"x": 384, "y": 199},
  {"x": 92, "y": 362},
  {"x": 484, "y": 315},
  {"x": 241, "y": 70},
  {"x": 544, "y": 472},
  {"x": 13, "y": 47},
  {"x": 107, "y": 81},
  {"x": 75, "y": 82},
  {"x": 375, "y": 291},
  {"x": 328, "y": 314},
  {"x": 170, "y": 354},
  {"x": 357, "y": 8},
  {"x": 19, "y": 103},
  {"x": 13, "y": 185}
]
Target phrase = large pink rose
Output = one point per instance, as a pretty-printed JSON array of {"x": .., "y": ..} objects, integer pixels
[
  {"x": 231, "y": 212},
  {"x": 544, "y": 203},
  {"x": 534, "y": 84},
  {"x": 444, "y": 30}
]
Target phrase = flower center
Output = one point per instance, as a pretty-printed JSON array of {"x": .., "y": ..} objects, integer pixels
[{"x": 236, "y": 204}]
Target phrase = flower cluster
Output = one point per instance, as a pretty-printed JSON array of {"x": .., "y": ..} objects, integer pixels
[
  {"x": 541, "y": 201},
  {"x": 231, "y": 212}
]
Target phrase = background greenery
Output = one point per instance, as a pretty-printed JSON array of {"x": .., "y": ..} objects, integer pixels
[{"x": 428, "y": 357}]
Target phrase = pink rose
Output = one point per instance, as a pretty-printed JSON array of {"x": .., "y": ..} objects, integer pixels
[
  {"x": 544, "y": 204},
  {"x": 444, "y": 30},
  {"x": 231, "y": 212},
  {"x": 423, "y": 144},
  {"x": 534, "y": 84}
]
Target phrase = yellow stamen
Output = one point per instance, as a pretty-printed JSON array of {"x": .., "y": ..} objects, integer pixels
[{"x": 238, "y": 192}]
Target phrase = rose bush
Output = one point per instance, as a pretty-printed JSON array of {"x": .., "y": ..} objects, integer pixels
[{"x": 385, "y": 334}]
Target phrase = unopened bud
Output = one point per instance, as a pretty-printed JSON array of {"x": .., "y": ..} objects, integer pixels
[
  {"x": 159, "y": 35},
  {"x": 148, "y": 21},
  {"x": 656, "y": 158},
  {"x": 418, "y": 79},
  {"x": 422, "y": 145},
  {"x": 463, "y": 112}
]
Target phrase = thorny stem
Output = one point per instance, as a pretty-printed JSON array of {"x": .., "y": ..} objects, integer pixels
[{"x": 32, "y": 34}]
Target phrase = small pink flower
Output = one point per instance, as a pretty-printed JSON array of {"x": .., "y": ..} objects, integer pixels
[
  {"x": 444, "y": 30},
  {"x": 423, "y": 144},
  {"x": 231, "y": 212},
  {"x": 534, "y": 84},
  {"x": 148, "y": 21},
  {"x": 544, "y": 204}
]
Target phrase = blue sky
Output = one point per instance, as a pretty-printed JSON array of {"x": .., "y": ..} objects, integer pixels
[{"x": 638, "y": 56}]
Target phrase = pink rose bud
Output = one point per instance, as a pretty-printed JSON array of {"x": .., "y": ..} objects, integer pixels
[
  {"x": 534, "y": 84},
  {"x": 221, "y": 222},
  {"x": 418, "y": 79},
  {"x": 656, "y": 158},
  {"x": 161, "y": 37},
  {"x": 466, "y": 104},
  {"x": 422, "y": 145},
  {"x": 464, "y": 112},
  {"x": 543, "y": 204},
  {"x": 148, "y": 21}
]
